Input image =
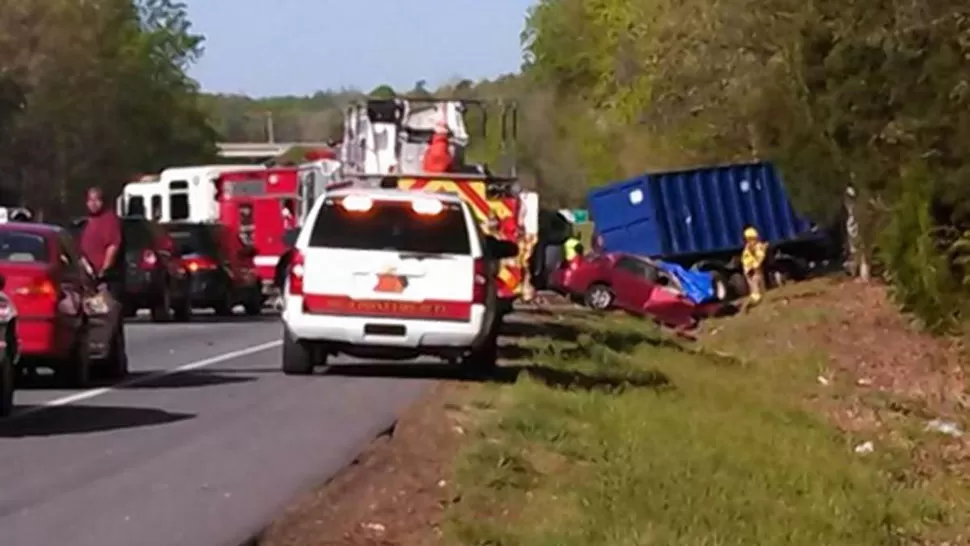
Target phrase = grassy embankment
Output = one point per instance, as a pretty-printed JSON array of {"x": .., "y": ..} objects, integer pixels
[{"x": 623, "y": 437}]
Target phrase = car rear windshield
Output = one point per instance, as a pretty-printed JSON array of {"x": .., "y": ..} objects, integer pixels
[
  {"x": 23, "y": 247},
  {"x": 394, "y": 226},
  {"x": 138, "y": 235},
  {"x": 193, "y": 240}
]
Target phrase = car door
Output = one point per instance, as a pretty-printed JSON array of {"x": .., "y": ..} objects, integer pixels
[{"x": 629, "y": 279}]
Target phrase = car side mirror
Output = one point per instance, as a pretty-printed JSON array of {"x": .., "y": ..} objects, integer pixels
[{"x": 498, "y": 249}]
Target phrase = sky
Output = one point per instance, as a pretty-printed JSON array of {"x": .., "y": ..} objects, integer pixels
[{"x": 281, "y": 47}]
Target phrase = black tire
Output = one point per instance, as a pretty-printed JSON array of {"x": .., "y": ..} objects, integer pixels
[
  {"x": 183, "y": 310},
  {"x": 484, "y": 359},
  {"x": 254, "y": 303},
  {"x": 598, "y": 296},
  {"x": 297, "y": 356},
  {"x": 162, "y": 310},
  {"x": 721, "y": 290},
  {"x": 75, "y": 371},
  {"x": 8, "y": 381},
  {"x": 116, "y": 364},
  {"x": 224, "y": 307},
  {"x": 737, "y": 286}
]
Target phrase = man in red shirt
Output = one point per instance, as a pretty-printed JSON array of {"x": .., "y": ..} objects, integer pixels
[{"x": 101, "y": 244}]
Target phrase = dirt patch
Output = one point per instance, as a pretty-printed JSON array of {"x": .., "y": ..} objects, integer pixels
[{"x": 394, "y": 493}]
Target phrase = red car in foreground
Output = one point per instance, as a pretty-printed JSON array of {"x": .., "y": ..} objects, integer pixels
[
  {"x": 62, "y": 322},
  {"x": 631, "y": 283}
]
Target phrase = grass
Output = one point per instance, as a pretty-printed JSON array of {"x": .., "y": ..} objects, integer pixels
[{"x": 655, "y": 443}]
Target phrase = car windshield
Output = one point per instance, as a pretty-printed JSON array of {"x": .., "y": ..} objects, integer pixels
[
  {"x": 391, "y": 225},
  {"x": 193, "y": 240},
  {"x": 23, "y": 247}
]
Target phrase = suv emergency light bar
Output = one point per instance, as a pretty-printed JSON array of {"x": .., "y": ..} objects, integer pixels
[{"x": 451, "y": 177}]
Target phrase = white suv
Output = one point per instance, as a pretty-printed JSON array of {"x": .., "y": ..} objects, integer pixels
[{"x": 393, "y": 275}]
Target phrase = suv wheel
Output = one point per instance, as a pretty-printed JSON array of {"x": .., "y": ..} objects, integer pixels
[
  {"x": 8, "y": 379},
  {"x": 254, "y": 303},
  {"x": 162, "y": 310},
  {"x": 297, "y": 356},
  {"x": 183, "y": 310},
  {"x": 484, "y": 359}
]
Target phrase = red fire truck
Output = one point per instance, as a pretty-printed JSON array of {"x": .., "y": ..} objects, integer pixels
[{"x": 261, "y": 206}]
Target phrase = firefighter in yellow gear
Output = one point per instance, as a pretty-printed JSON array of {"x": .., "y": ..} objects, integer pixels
[
  {"x": 752, "y": 262},
  {"x": 572, "y": 248}
]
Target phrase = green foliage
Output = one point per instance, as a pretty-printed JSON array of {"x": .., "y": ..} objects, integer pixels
[
  {"x": 104, "y": 94},
  {"x": 919, "y": 272}
]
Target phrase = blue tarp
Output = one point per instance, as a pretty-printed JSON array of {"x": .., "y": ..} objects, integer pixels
[{"x": 698, "y": 285}]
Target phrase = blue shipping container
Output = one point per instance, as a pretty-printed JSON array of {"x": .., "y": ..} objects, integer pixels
[{"x": 694, "y": 212}]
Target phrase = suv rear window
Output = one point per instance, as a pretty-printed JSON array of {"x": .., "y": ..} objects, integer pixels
[
  {"x": 394, "y": 226},
  {"x": 193, "y": 240}
]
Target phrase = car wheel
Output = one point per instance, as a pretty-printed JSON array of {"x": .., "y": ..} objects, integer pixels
[
  {"x": 162, "y": 310},
  {"x": 8, "y": 380},
  {"x": 297, "y": 356},
  {"x": 720, "y": 287},
  {"x": 75, "y": 371},
  {"x": 116, "y": 365},
  {"x": 484, "y": 359},
  {"x": 599, "y": 297},
  {"x": 737, "y": 286}
]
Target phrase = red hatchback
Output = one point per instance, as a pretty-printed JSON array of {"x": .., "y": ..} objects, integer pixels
[
  {"x": 62, "y": 322},
  {"x": 631, "y": 283}
]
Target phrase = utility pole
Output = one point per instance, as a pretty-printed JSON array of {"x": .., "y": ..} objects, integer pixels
[{"x": 270, "y": 130}]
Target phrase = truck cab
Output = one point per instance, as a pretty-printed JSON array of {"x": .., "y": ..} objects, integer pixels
[{"x": 178, "y": 194}]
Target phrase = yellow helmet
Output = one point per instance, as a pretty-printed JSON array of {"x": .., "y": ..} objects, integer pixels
[{"x": 750, "y": 233}]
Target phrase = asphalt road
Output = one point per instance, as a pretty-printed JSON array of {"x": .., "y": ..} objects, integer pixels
[{"x": 201, "y": 446}]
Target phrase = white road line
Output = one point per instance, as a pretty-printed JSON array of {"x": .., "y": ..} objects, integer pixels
[{"x": 198, "y": 364}]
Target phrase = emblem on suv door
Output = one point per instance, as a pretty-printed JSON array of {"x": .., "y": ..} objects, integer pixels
[{"x": 389, "y": 281}]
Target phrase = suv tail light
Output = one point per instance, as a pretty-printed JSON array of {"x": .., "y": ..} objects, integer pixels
[
  {"x": 148, "y": 259},
  {"x": 480, "y": 282},
  {"x": 200, "y": 264},
  {"x": 296, "y": 274}
]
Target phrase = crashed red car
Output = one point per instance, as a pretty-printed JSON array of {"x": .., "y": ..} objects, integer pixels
[
  {"x": 62, "y": 322},
  {"x": 633, "y": 284}
]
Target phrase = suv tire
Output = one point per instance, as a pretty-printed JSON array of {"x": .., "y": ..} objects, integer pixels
[
  {"x": 484, "y": 359},
  {"x": 297, "y": 356},
  {"x": 162, "y": 310}
]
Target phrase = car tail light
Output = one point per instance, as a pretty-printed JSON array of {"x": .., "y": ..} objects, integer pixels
[
  {"x": 480, "y": 282},
  {"x": 296, "y": 273},
  {"x": 148, "y": 259},
  {"x": 199, "y": 264},
  {"x": 39, "y": 288}
]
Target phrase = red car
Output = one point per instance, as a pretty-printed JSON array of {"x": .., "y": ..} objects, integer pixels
[
  {"x": 61, "y": 322},
  {"x": 631, "y": 283}
]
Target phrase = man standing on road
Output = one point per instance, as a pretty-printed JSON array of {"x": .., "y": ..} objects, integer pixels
[{"x": 101, "y": 244}]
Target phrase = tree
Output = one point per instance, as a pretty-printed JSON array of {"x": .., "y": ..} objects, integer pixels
[{"x": 106, "y": 96}]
